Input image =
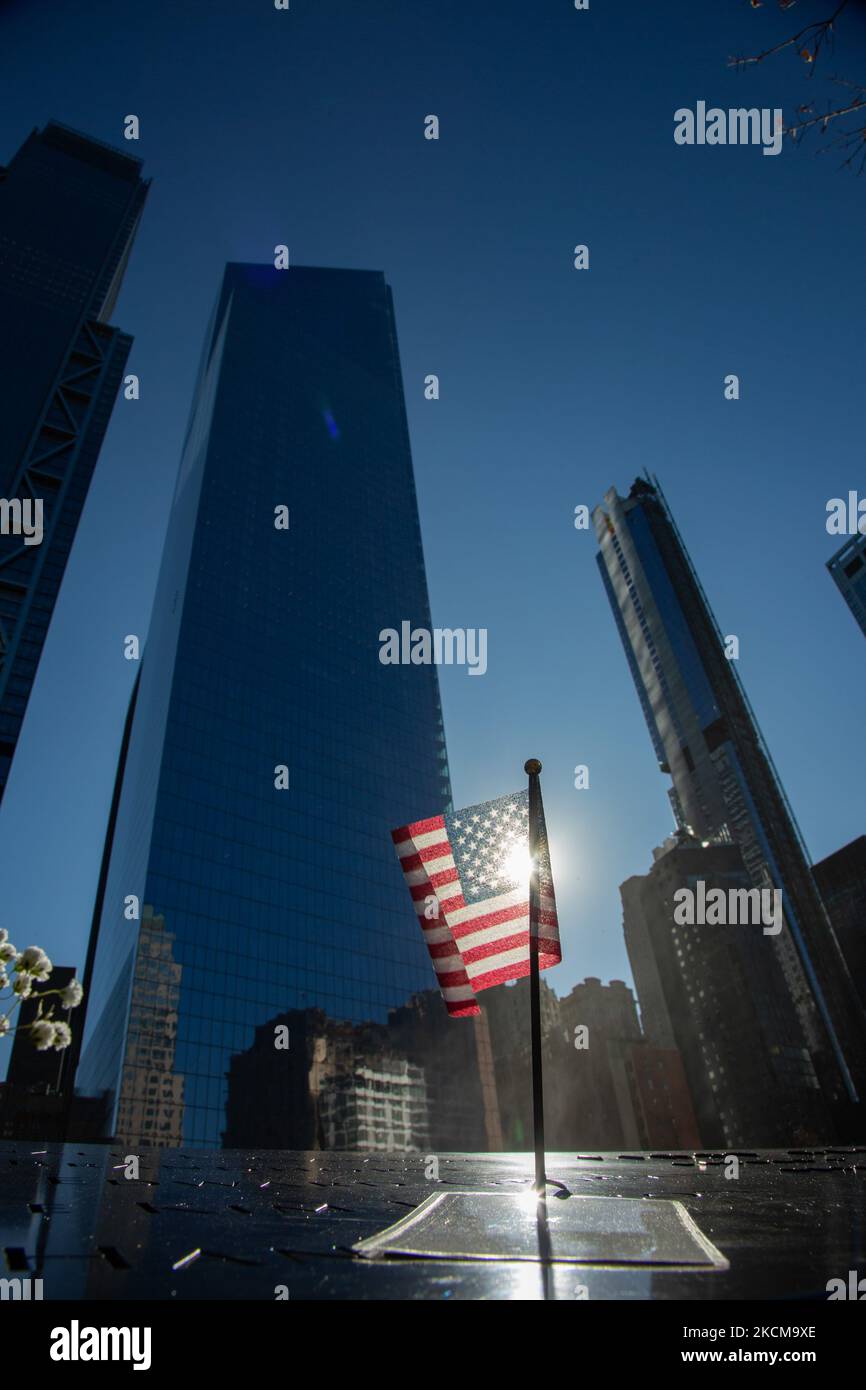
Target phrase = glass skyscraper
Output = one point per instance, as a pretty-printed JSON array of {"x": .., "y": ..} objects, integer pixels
[
  {"x": 725, "y": 790},
  {"x": 258, "y": 975},
  {"x": 848, "y": 569},
  {"x": 69, "y": 209}
]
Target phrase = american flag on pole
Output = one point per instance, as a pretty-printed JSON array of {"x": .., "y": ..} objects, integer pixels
[{"x": 468, "y": 874}]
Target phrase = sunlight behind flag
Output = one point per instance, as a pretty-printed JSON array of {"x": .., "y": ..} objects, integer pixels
[{"x": 468, "y": 873}]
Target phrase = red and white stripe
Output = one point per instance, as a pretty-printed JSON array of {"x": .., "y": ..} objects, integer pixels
[{"x": 477, "y": 945}]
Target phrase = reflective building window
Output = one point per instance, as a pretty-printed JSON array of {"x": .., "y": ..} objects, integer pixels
[{"x": 259, "y": 975}]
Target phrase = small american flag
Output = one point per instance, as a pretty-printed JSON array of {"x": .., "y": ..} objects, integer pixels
[{"x": 468, "y": 873}]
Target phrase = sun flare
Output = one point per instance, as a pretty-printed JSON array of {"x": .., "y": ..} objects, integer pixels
[{"x": 517, "y": 866}]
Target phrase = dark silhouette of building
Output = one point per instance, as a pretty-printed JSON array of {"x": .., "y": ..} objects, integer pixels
[
  {"x": 725, "y": 790},
  {"x": 69, "y": 209},
  {"x": 841, "y": 880},
  {"x": 271, "y": 751},
  {"x": 459, "y": 1073},
  {"x": 600, "y": 1024},
  {"x": 32, "y": 1102},
  {"x": 506, "y": 1011},
  {"x": 632, "y": 1093},
  {"x": 660, "y": 1098},
  {"x": 848, "y": 571},
  {"x": 605, "y": 1085},
  {"x": 712, "y": 992},
  {"x": 271, "y": 1101}
]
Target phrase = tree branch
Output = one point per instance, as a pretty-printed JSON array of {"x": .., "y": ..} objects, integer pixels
[
  {"x": 810, "y": 41},
  {"x": 817, "y": 33}
]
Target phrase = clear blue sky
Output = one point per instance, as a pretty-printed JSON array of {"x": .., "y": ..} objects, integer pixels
[{"x": 306, "y": 127}]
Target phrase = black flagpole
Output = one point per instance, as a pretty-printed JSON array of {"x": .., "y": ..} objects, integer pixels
[{"x": 533, "y": 768}]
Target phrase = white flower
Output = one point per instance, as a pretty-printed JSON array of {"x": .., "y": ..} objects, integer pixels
[
  {"x": 23, "y": 986},
  {"x": 4, "y": 978},
  {"x": 8, "y": 952},
  {"x": 5, "y": 1025},
  {"x": 72, "y": 995},
  {"x": 42, "y": 1032},
  {"x": 62, "y": 1036},
  {"x": 4, "y": 935},
  {"x": 34, "y": 962}
]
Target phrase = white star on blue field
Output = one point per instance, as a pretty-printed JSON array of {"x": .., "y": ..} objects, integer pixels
[
  {"x": 490, "y": 843},
  {"x": 484, "y": 839}
]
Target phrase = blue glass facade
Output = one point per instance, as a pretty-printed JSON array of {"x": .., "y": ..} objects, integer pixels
[
  {"x": 69, "y": 208},
  {"x": 266, "y": 908}
]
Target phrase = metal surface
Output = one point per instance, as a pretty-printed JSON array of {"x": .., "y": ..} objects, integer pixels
[
  {"x": 578, "y": 1230},
  {"x": 275, "y": 1224}
]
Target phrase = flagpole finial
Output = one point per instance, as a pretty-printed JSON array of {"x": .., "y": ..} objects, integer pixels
[{"x": 532, "y": 766}]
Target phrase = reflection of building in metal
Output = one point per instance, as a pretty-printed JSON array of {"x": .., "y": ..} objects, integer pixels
[
  {"x": 416, "y": 1083},
  {"x": 841, "y": 878},
  {"x": 725, "y": 790},
  {"x": 32, "y": 1098},
  {"x": 151, "y": 1111}
]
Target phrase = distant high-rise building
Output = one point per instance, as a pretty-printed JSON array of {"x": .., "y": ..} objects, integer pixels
[
  {"x": 459, "y": 1073},
  {"x": 629, "y": 1091},
  {"x": 725, "y": 790},
  {"x": 848, "y": 569},
  {"x": 69, "y": 209},
  {"x": 271, "y": 751},
  {"x": 606, "y": 1086},
  {"x": 600, "y": 1024},
  {"x": 714, "y": 993},
  {"x": 841, "y": 879},
  {"x": 506, "y": 1018}
]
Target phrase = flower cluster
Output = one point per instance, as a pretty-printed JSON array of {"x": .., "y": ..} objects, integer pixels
[{"x": 29, "y": 968}]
